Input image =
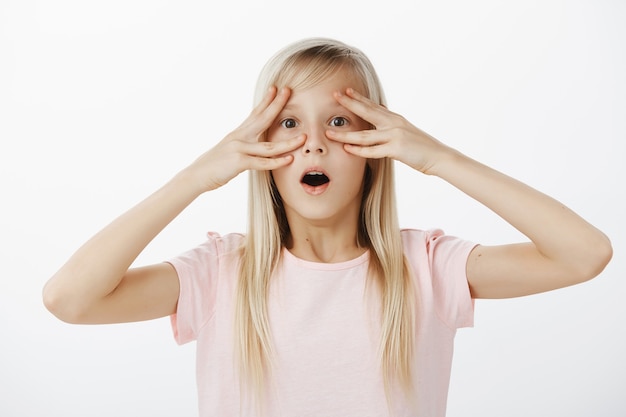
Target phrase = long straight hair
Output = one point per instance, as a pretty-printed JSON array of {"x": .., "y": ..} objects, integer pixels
[{"x": 298, "y": 66}]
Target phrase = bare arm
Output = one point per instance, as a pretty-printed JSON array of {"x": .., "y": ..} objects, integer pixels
[
  {"x": 563, "y": 249},
  {"x": 96, "y": 286}
]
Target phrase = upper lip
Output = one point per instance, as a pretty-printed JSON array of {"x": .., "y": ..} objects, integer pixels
[
  {"x": 314, "y": 170},
  {"x": 319, "y": 177}
]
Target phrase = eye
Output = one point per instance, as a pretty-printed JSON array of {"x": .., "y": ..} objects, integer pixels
[
  {"x": 338, "y": 121},
  {"x": 288, "y": 123}
]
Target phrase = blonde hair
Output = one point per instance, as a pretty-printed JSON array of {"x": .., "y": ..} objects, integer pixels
[{"x": 301, "y": 65}]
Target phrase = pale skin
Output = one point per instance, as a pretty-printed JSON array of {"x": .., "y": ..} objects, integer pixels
[
  {"x": 97, "y": 286},
  {"x": 323, "y": 225},
  {"x": 563, "y": 250}
]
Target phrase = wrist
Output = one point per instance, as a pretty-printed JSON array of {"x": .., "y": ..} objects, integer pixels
[
  {"x": 188, "y": 182},
  {"x": 447, "y": 161}
]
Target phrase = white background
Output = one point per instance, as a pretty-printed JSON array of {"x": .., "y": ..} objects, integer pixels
[{"x": 102, "y": 102}]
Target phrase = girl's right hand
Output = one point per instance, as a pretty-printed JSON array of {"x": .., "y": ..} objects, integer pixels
[
  {"x": 96, "y": 285},
  {"x": 243, "y": 148}
]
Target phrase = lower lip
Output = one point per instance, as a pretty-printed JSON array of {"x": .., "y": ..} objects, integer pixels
[{"x": 309, "y": 189}]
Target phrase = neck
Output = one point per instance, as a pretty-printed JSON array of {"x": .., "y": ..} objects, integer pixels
[{"x": 328, "y": 244}]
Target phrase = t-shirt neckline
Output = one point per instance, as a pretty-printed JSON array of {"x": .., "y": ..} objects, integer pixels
[{"x": 290, "y": 258}]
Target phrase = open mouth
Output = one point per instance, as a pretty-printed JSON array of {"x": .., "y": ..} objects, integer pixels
[{"x": 315, "y": 178}]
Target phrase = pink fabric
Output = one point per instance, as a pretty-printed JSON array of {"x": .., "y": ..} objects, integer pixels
[{"x": 325, "y": 329}]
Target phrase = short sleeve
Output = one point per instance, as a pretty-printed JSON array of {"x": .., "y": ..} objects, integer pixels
[
  {"x": 198, "y": 271},
  {"x": 447, "y": 257}
]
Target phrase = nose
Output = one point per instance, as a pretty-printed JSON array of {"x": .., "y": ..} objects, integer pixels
[{"x": 315, "y": 142}]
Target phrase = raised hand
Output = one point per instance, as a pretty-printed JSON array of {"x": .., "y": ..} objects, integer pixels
[
  {"x": 243, "y": 149},
  {"x": 393, "y": 136},
  {"x": 97, "y": 286},
  {"x": 564, "y": 248}
]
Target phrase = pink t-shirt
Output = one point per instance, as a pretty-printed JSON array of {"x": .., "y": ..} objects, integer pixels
[{"x": 325, "y": 329}]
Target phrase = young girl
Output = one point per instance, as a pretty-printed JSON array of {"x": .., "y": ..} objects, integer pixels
[{"x": 325, "y": 307}]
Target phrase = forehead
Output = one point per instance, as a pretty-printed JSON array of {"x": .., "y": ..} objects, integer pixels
[{"x": 325, "y": 87}]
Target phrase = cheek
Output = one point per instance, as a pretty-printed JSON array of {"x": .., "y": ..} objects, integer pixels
[
  {"x": 270, "y": 135},
  {"x": 277, "y": 135},
  {"x": 354, "y": 169},
  {"x": 280, "y": 176},
  {"x": 363, "y": 125},
  {"x": 348, "y": 159}
]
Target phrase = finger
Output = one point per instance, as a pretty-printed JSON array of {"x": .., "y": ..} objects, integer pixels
[
  {"x": 363, "y": 107},
  {"x": 265, "y": 164},
  {"x": 274, "y": 97},
  {"x": 264, "y": 113},
  {"x": 273, "y": 149},
  {"x": 271, "y": 111},
  {"x": 369, "y": 152},
  {"x": 267, "y": 99},
  {"x": 362, "y": 137}
]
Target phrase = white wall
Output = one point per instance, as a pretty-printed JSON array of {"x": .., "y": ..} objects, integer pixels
[{"x": 101, "y": 102}]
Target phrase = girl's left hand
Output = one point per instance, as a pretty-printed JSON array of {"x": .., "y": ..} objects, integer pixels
[
  {"x": 393, "y": 136},
  {"x": 564, "y": 249}
]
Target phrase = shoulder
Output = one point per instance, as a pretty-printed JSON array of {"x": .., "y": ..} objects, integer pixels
[
  {"x": 438, "y": 262},
  {"x": 210, "y": 251},
  {"x": 216, "y": 244},
  {"x": 225, "y": 244},
  {"x": 416, "y": 238},
  {"x": 434, "y": 243}
]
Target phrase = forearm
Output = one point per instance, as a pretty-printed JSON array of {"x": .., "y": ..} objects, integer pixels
[
  {"x": 564, "y": 248},
  {"x": 93, "y": 286},
  {"x": 556, "y": 231},
  {"x": 97, "y": 268}
]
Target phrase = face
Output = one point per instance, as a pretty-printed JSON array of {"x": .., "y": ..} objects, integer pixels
[{"x": 322, "y": 185}]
